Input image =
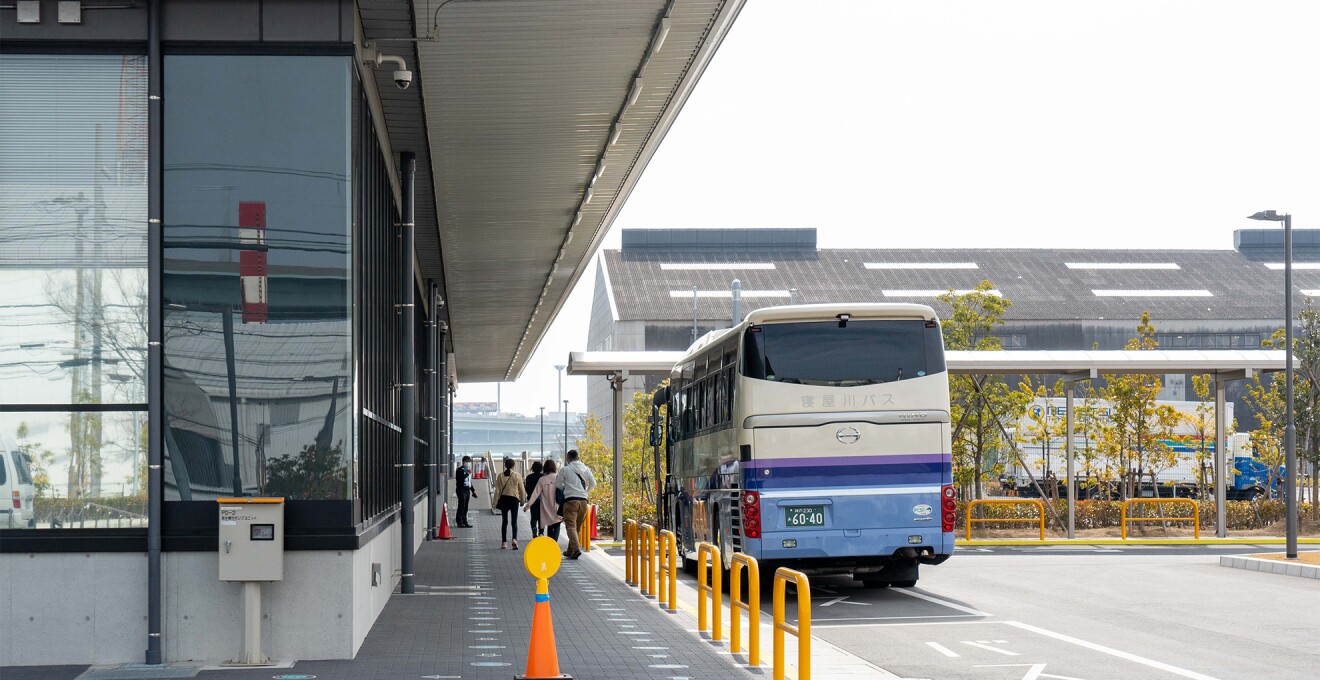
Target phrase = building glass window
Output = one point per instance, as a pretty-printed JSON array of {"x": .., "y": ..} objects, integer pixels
[
  {"x": 73, "y": 258},
  {"x": 258, "y": 366}
]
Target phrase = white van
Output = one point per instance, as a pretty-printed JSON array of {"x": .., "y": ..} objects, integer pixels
[{"x": 16, "y": 490}]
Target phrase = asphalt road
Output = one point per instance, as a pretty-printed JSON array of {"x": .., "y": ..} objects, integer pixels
[{"x": 1080, "y": 613}]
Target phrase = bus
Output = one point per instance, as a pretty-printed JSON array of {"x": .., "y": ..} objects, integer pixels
[{"x": 815, "y": 437}]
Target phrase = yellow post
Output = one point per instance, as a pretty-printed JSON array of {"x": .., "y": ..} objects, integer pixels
[
  {"x": 584, "y": 531},
  {"x": 647, "y": 575},
  {"x": 752, "y": 606},
  {"x": 668, "y": 569},
  {"x": 630, "y": 552},
  {"x": 803, "y": 628},
  {"x": 707, "y": 551},
  {"x": 1039, "y": 519}
]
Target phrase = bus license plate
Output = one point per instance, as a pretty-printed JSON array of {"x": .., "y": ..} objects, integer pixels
[{"x": 805, "y": 516}]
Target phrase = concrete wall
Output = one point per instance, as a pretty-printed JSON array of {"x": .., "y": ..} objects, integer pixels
[{"x": 72, "y": 608}]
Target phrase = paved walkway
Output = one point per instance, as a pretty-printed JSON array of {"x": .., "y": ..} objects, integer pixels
[{"x": 472, "y": 614}]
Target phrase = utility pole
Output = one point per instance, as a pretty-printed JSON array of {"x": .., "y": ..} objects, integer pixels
[
  {"x": 560, "y": 398},
  {"x": 542, "y": 449}
]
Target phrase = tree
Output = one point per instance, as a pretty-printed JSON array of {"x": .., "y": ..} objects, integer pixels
[
  {"x": 978, "y": 403},
  {"x": 1202, "y": 421},
  {"x": 1266, "y": 401},
  {"x": 39, "y": 460},
  {"x": 638, "y": 485},
  {"x": 1043, "y": 426},
  {"x": 1306, "y": 396},
  {"x": 1141, "y": 427}
]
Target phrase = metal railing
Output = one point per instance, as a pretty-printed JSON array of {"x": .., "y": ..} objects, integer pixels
[
  {"x": 667, "y": 566},
  {"x": 647, "y": 550},
  {"x": 802, "y": 631},
  {"x": 630, "y": 552},
  {"x": 1039, "y": 519},
  {"x": 1195, "y": 518},
  {"x": 752, "y": 606},
  {"x": 709, "y": 555}
]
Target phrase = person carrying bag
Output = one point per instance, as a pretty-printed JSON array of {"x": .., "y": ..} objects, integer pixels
[
  {"x": 509, "y": 490},
  {"x": 542, "y": 500}
]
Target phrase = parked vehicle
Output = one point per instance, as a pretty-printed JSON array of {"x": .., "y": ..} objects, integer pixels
[{"x": 16, "y": 489}]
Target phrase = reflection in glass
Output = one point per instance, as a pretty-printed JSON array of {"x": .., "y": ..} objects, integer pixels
[
  {"x": 256, "y": 282},
  {"x": 56, "y": 491}
]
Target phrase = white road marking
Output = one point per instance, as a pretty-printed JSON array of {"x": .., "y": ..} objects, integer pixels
[
  {"x": 996, "y": 650},
  {"x": 942, "y": 649},
  {"x": 944, "y": 603},
  {"x": 843, "y": 599},
  {"x": 1034, "y": 670},
  {"x": 814, "y": 621},
  {"x": 1113, "y": 652},
  {"x": 814, "y": 625}
]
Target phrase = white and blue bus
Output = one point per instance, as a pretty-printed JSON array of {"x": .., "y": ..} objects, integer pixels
[{"x": 816, "y": 437}]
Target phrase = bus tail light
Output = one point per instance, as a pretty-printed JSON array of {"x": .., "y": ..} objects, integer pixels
[
  {"x": 948, "y": 506},
  {"x": 18, "y": 501},
  {"x": 751, "y": 514}
]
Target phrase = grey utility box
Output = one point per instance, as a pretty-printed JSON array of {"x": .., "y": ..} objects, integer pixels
[{"x": 251, "y": 539}]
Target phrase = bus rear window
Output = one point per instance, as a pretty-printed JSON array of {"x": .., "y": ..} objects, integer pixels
[{"x": 843, "y": 355}]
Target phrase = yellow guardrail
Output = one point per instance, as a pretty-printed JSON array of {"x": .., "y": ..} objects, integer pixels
[
  {"x": 647, "y": 561},
  {"x": 1194, "y": 519},
  {"x": 630, "y": 552},
  {"x": 752, "y": 606},
  {"x": 668, "y": 568},
  {"x": 709, "y": 555},
  {"x": 802, "y": 631},
  {"x": 1039, "y": 519}
]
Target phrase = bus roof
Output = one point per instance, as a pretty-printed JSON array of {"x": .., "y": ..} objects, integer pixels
[
  {"x": 862, "y": 310},
  {"x": 825, "y": 312}
]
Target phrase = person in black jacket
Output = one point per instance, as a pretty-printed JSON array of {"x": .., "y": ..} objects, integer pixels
[
  {"x": 530, "y": 483},
  {"x": 463, "y": 489}
]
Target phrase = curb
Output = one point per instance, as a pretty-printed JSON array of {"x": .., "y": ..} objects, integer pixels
[
  {"x": 1270, "y": 566},
  {"x": 1265, "y": 540}
]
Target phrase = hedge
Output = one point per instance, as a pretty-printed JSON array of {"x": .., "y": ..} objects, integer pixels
[{"x": 1096, "y": 514}]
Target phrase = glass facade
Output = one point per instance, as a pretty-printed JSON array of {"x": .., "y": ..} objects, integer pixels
[
  {"x": 258, "y": 374},
  {"x": 73, "y": 268}
]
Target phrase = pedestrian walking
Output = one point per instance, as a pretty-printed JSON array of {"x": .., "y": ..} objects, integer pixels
[
  {"x": 534, "y": 507},
  {"x": 577, "y": 482},
  {"x": 510, "y": 494},
  {"x": 463, "y": 489},
  {"x": 542, "y": 501}
]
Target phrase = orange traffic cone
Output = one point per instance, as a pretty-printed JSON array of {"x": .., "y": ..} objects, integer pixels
[
  {"x": 542, "y": 657},
  {"x": 442, "y": 531},
  {"x": 595, "y": 532}
]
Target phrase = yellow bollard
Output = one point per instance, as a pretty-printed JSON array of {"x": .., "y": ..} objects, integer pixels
[
  {"x": 584, "y": 530},
  {"x": 752, "y": 606},
  {"x": 802, "y": 631},
  {"x": 668, "y": 568},
  {"x": 704, "y": 551},
  {"x": 630, "y": 552},
  {"x": 647, "y": 548}
]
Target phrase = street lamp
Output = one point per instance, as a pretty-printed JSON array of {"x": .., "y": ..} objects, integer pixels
[
  {"x": 560, "y": 368},
  {"x": 1289, "y": 429},
  {"x": 565, "y": 429},
  {"x": 542, "y": 449}
]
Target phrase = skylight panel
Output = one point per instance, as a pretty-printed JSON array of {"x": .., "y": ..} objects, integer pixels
[
  {"x": 1122, "y": 265},
  {"x": 1152, "y": 293},
  {"x": 714, "y": 266},
  {"x": 729, "y": 294},
  {"x": 916, "y": 293},
  {"x": 1296, "y": 265},
  {"x": 920, "y": 265}
]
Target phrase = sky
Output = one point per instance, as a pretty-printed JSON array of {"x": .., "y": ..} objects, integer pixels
[{"x": 964, "y": 123}]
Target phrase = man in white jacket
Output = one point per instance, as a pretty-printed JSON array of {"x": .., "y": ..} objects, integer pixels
[{"x": 577, "y": 482}]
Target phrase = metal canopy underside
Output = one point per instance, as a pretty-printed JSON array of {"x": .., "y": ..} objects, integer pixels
[
  {"x": 1226, "y": 362},
  {"x": 519, "y": 98}
]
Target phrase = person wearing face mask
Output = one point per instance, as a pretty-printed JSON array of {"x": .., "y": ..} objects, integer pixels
[{"x": 463, "y": 489}]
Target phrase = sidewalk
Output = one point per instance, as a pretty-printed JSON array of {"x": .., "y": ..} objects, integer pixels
[{"x": 471, "y": 618}]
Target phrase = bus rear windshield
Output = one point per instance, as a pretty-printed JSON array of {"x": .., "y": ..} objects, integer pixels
[{"x": 832, "y": 354}]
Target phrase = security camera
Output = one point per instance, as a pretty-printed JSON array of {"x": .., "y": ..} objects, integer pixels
[{"x": 403, "y": 79}]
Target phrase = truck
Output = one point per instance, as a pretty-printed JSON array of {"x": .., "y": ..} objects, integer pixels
[{"x": 1247, "y": 477}]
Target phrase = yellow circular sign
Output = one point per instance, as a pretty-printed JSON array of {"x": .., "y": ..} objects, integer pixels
[{"x": 542, "y": 557}]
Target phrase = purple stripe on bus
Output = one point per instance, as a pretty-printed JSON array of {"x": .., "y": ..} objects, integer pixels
[{"x": 822, "y": 461}]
